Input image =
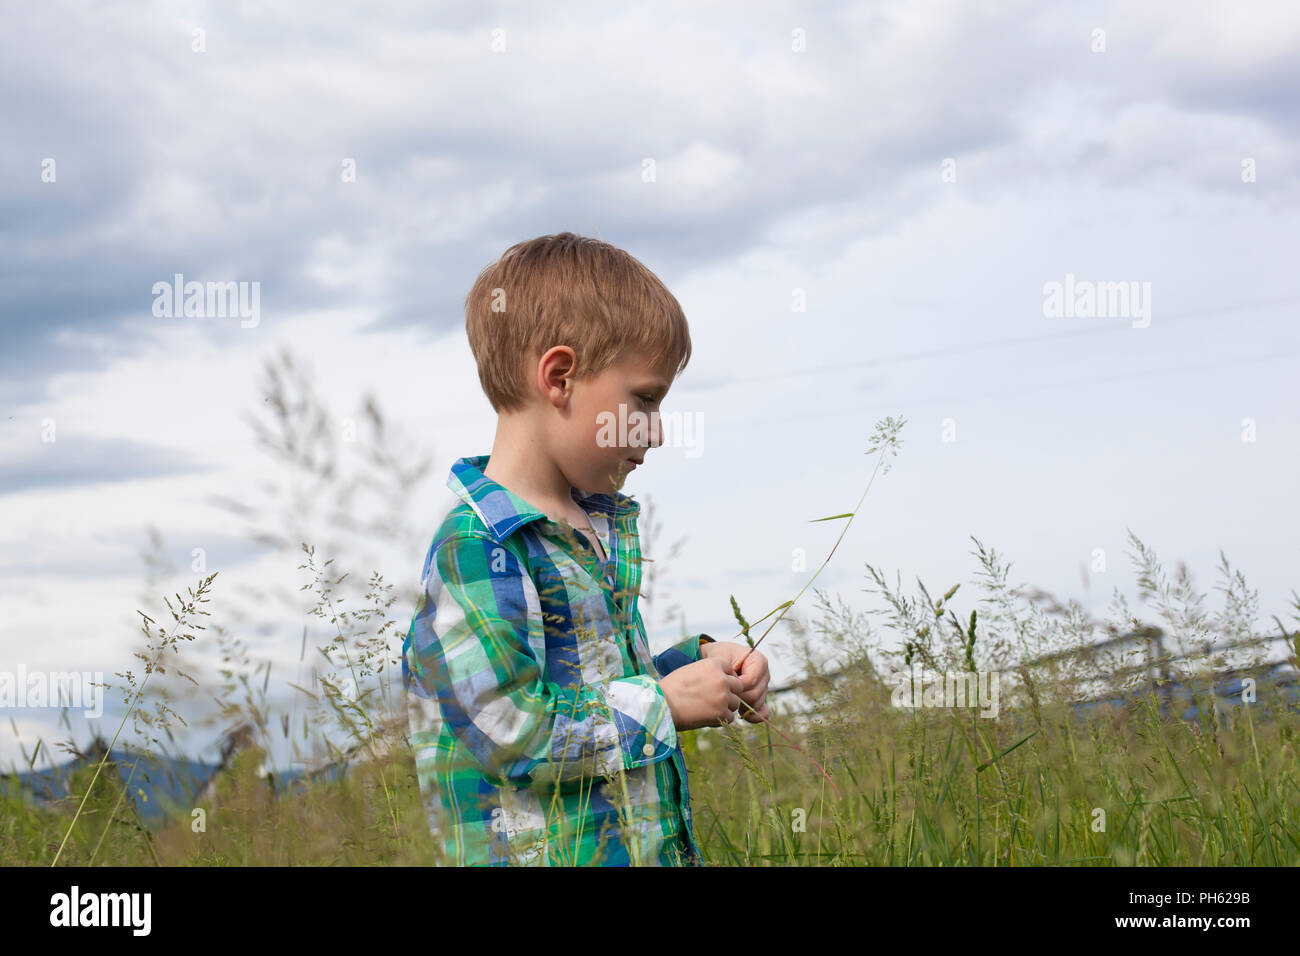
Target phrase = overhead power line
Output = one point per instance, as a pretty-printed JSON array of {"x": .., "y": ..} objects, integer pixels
[{"x": 946, "y": 351}]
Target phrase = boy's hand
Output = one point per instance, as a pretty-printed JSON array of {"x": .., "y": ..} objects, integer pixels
[
  {"x": 702, "y": 694},
  {"x": 753, "y": 676}
]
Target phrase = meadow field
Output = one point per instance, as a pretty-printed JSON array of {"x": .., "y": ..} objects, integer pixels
[{"x": 1190, "y": 780}]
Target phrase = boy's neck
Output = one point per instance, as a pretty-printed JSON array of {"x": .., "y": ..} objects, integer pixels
[{"x": 519, "y": 462}]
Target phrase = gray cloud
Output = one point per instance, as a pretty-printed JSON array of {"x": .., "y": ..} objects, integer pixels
[
  {"x": 225, "y": 165},
  {"x": 82, "y": 460}
]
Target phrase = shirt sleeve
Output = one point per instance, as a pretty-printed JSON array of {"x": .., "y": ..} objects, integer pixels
[
  {"x": 470, "y": 650},
  {"x": 686, "y": 651}
]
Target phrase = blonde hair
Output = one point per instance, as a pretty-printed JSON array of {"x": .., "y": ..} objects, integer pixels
[{"x": 569, "y": 290}]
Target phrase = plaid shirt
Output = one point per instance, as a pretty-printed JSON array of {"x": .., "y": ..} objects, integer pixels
[{"x": 540, "y": 732}]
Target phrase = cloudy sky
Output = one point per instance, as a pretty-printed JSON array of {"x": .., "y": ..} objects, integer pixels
[{"x": 862, "y": 208}]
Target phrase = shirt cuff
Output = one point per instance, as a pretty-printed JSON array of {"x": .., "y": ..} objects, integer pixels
[
  {"x": 680, "y": 654},
  {"x": 642, "y": 720}
]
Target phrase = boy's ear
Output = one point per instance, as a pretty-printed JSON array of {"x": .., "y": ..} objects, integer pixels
[{"x": 555, "y": 370}]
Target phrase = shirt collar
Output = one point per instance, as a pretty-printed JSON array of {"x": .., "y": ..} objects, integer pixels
[{"x": 503, "y": 512}]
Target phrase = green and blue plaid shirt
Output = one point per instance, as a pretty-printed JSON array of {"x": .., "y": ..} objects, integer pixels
[{"x": 540, "y": 732}]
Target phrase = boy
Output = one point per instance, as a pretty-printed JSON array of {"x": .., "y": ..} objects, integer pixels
[{"x": 544, "y": 731}]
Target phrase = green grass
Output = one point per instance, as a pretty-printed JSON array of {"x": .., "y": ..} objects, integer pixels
[
  {"x": 923, "y": 787},
  {"x": 1173, "y": 792},
  {"x": 1038, "y": 785}
]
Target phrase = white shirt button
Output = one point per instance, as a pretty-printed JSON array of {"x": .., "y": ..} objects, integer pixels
[{"x": 648, "y": 750}]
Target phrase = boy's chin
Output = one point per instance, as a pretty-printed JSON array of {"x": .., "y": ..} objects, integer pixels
[{"x": 614, "y": 481}]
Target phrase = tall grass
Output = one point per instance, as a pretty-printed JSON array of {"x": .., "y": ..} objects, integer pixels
[{"x": 1042, "y": 784}]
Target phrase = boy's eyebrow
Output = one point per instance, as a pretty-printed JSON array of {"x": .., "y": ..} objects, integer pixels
[{"x": 658, "y": 388}]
